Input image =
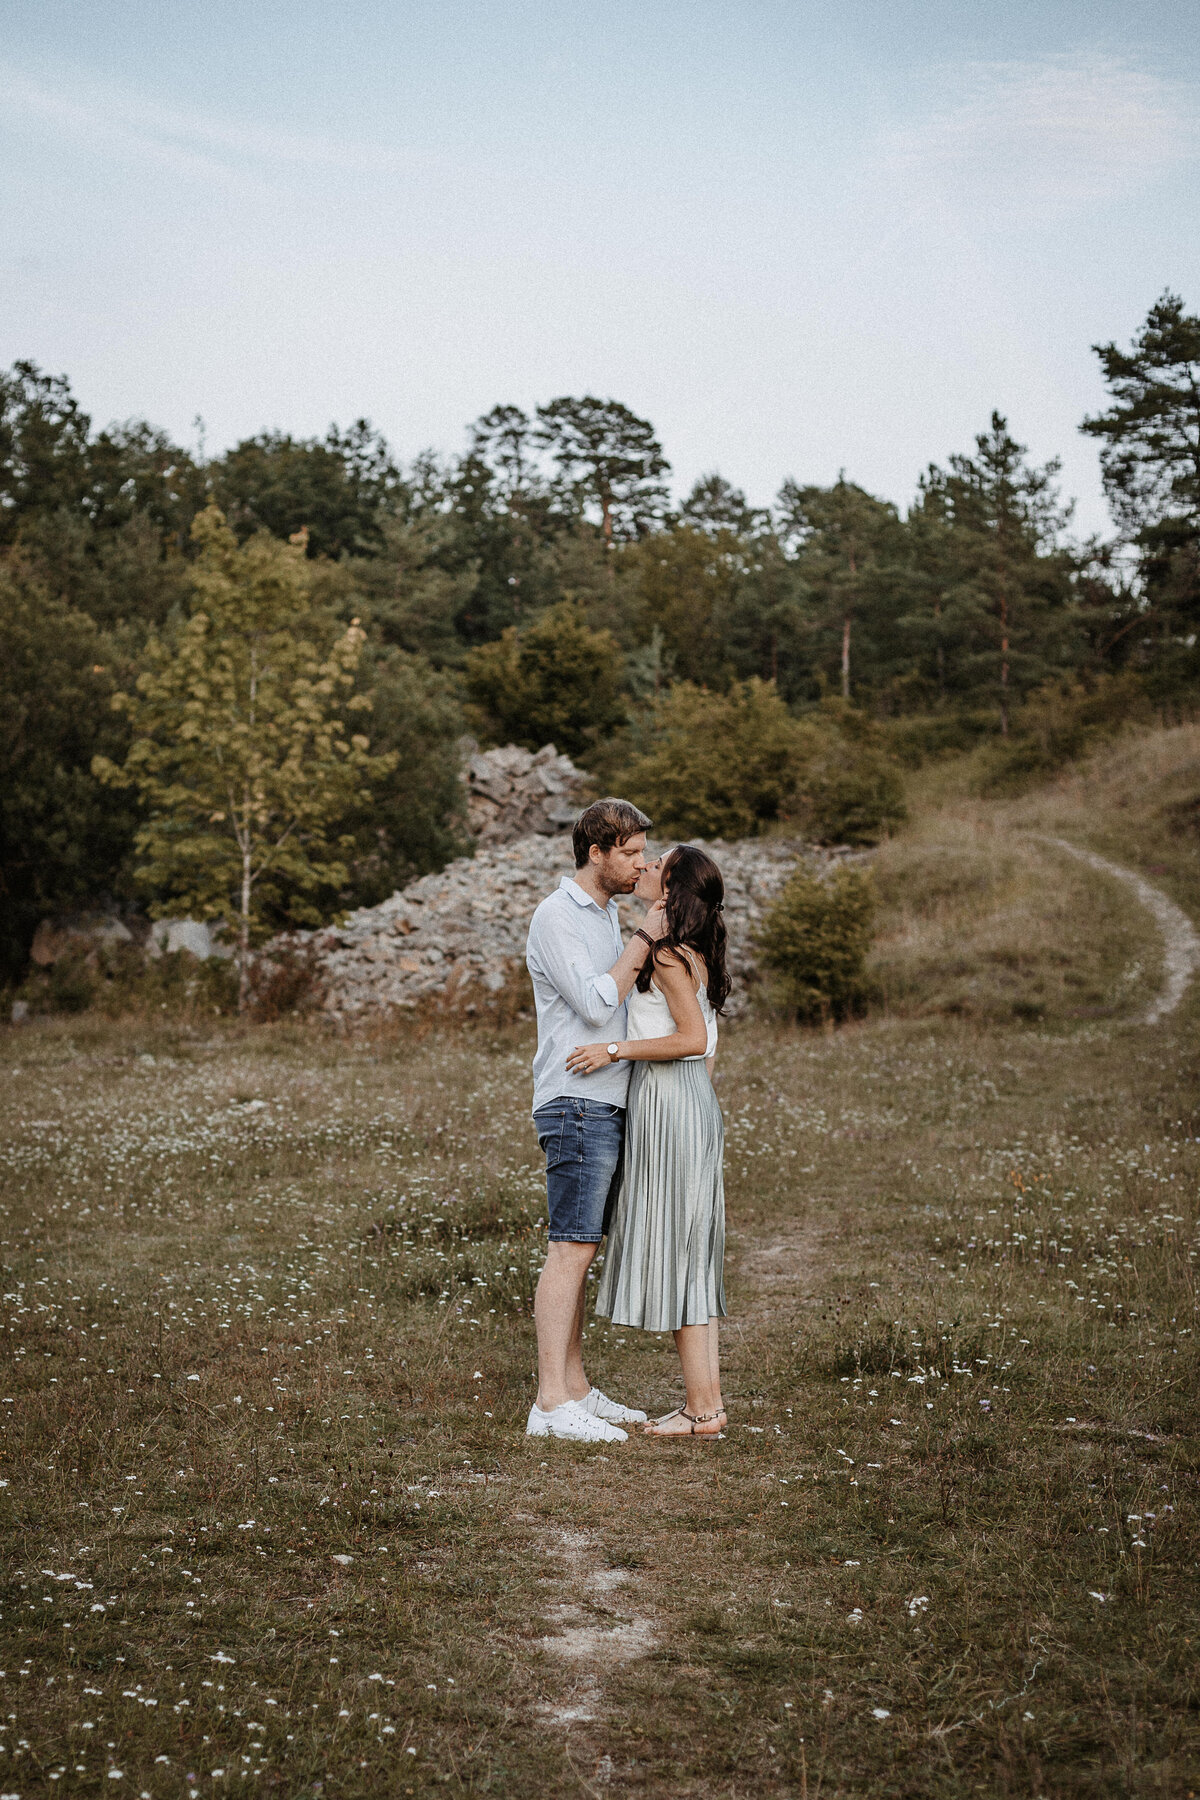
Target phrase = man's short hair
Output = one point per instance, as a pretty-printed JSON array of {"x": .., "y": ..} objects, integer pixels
[{"x": 606, "y": 823}]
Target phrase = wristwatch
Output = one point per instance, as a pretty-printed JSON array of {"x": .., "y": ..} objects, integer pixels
[{"x": 612, "y": 1051}]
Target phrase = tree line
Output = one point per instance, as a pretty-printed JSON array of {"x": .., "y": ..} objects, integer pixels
[{"x": 736, "y": 664}]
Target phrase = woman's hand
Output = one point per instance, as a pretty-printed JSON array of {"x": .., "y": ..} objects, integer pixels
[
  {"x": 655, "y": 922},
  {"x": 585, "y": 1059}
]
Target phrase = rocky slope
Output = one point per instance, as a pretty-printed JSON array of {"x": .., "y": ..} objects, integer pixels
[{"x": 458, "y": 938}]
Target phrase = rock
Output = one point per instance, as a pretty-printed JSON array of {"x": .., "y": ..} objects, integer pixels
[
  {"x": 90, "y": 932},
  {"x": 170, "y": 935},
  {"x": 455, "y": 938},
  {"x": 20, "y": 1011},
  {"x": 513, "y": 793}
]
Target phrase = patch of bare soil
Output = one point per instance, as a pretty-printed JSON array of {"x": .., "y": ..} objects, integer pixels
[
  {"x": 597, "y": 1629},
  {"x": 786, "y": 1269}
]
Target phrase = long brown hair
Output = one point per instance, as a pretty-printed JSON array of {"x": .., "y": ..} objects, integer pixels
[{"x": 695, "y": 900}]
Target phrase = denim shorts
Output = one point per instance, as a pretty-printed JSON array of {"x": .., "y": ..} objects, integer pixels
[{"x": 582, "y": 1142}]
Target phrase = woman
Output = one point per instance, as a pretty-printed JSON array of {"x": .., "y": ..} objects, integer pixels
[{"x": 666, "y": 1246}]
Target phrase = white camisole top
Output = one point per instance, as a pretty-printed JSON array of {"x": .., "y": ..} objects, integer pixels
[{"x": 648, "y": 1016}]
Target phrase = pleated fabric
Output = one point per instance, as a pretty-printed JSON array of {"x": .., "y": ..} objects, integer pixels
[{"x": 664, "y": 1265}]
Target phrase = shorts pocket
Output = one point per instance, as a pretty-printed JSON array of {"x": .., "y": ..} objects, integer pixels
[{"x": 561, "y": 1139}]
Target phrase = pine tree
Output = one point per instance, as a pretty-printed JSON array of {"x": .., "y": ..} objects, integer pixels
[
  {"x": 1151, "y": 461},
  {"x": 608, "y": 457},
  {"x": 845, "y": 543},
  {"x": 1005, "y": 586}
]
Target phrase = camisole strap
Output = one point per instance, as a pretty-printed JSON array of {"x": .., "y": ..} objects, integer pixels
[{"x": 691, "y": 954}]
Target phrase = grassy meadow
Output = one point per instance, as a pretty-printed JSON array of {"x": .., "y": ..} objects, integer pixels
[{"x": 270, "y": 1520}]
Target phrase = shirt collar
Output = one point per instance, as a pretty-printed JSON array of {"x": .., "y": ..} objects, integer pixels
[{"x": 577, "y": 894}]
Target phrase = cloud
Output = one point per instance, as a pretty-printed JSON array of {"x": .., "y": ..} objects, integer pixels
[
  {"x": 1054, "y": 134},
  {"x": 190, "y": 142}
]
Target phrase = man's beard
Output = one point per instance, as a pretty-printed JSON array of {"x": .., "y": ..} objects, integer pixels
[{"x": 614, "y": 888}]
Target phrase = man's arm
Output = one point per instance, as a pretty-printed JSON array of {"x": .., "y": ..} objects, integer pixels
[
  {"x": 624, "y": 971},
  {"x": 564, "y": 958}
]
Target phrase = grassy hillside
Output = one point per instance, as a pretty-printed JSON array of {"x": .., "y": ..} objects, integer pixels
[
  {"x": 982, "y": 918},
  {"x": 1137, "y": 801}
]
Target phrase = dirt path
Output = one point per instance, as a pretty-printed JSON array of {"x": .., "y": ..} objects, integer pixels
[
  {"x": 592, "y": 1638},
  {"x": 600, "y": 1617},
  {"x": 1181, "y": 944}
]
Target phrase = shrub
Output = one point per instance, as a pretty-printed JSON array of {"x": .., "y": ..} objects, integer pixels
[
  {"x": 285, "y": 980},
  {"x": 814, "y": 941},
  {"x": 1060, "y": 722},
  {"x": 919, "y": 738},
  {"x": 120, "y": 981},
  {"x": 733, "y": 765},
  {"x": 557, "y": 681},
  {"x": 720, "y": 765},
  {"x": 73, "y": 984},
  {"x": 853, "y": 793}
]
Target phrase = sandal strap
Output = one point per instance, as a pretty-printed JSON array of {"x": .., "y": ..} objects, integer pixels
[{"x": 698, "y": 1418}]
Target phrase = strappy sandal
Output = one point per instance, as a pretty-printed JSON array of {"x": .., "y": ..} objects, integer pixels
[{"x": 694, "y": 1419}]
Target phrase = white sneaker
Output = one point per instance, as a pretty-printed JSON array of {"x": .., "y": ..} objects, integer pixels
[
  {"x": 570, "y": 1420},
  {"x": 601, "y": 1407}
]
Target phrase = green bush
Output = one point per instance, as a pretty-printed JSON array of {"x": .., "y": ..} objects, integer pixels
[
  {"x": 852, "y": 793},
  {"x": 733, "y": 765},
  {"x": 813, "y": 941},
  {"x": 919, "y": 738},
  {"x": 1060, "y": 722},
  {"x": 555, "y": 682},
  {"x": 720, "y": 765}
]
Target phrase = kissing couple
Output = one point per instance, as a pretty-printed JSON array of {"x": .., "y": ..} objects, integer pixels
[{"x": 630, "y": 1126}]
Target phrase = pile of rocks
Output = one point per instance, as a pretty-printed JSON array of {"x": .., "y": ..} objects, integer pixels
[
  {"x": 511, "y": 793},
  {"x": 457, "y": 939}
]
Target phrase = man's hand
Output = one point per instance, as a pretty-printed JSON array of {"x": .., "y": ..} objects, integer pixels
[
  {"x": 585, "y": 1059},
  {"x": 655, "y": 922}
]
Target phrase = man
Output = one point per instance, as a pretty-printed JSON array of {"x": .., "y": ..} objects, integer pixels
[{"x": 581, "y": 977}]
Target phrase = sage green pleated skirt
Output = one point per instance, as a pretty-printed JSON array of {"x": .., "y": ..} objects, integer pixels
[{"x": 663, "y": 1265}]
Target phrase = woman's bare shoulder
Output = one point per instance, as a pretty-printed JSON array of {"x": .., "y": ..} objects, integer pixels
[{"x": 678, "y": 964}]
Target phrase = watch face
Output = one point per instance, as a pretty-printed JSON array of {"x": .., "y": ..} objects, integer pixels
[{"x": 611, "y": 1048}]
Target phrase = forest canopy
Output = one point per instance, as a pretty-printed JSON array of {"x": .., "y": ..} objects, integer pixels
[{"x": 543, "y": 584}]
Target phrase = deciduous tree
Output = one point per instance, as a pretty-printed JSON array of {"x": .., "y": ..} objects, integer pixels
[
  {"x": 241, "y": 753},
  {"x": 336, "y": 489}
]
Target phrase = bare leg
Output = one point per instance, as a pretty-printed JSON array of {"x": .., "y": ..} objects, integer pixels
[
  {"x": 558, "y": 1315},
  {"x": 692, "y": 1343},
  {"x": 714, "y": 1364},
  {"x": 578, "y": 1385}
]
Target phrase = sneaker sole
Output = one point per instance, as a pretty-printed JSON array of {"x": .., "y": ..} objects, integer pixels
[{"x": 614, "y": 1435}]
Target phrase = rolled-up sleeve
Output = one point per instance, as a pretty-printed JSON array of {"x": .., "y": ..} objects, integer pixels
[{"x": 563, "y": 956}]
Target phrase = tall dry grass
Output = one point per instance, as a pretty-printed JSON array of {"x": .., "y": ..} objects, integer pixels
[{"x": 981, "y": 918}]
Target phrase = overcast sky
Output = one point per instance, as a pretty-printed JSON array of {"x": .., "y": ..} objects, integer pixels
[{"x": 798, "y": 237}]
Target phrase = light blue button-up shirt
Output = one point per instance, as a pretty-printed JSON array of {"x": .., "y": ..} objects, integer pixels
[{"x": 572, "y": 945}]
